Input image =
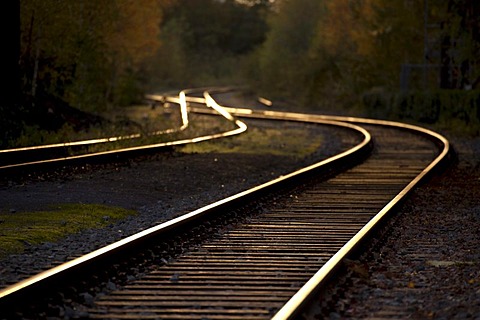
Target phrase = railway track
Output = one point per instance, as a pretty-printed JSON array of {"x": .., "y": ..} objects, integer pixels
[
  {"x": 275, "y": 247},
  {"x": 78, "y": 152}
]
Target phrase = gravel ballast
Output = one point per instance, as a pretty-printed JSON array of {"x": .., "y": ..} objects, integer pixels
[
  {"x": 427, "y": 265},
  {"x": 159, "y": 187}
]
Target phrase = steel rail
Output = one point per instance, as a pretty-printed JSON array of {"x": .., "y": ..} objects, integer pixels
[
  {"x": 278, "y": 232},
  {"x": 184, "y": 125},
  {"x": 294, "y": 305},
  {"x": 182, "y": 100},
  {"x": 30, "y": 284}
]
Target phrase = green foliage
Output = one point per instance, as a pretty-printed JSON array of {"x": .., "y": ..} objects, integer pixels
[
  {"x": 31, "y": 228},
  {"x": 10, "y": 124},
  {"x": 128, "y": 90},
  {"x": 219, "y": 27},
  {"x": 206, "y": 42},
  {"x": 455, "y": 110},
  {"x": 284, "y": 62},
  {"x": 33, "y": 135},
  {"x": 328, "y": 54},
  {"x": 87, "y": 52},
  {"x": 170, "y": 65},
  {"x": 460, "y": 54}
]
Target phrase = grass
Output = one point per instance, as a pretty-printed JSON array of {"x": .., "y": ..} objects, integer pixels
[
  {"x": 124, "y": 122},
  {"x": 273, "y": 141},
  {"x": 21, "y": 229}
]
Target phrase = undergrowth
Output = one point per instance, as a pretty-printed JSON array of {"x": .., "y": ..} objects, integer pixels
[
  {"x": 456, "y": 111},
  {"x": 21, "y": 229},
  {"x": 273, "y": 141}
]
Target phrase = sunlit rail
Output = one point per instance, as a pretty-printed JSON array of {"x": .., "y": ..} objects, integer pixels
[
  {"x": 291, "y": 306},
  {"x": 184, "y": 115},
  {"x": 182, "y": 100},
  {"x": 199, "y": 213}
]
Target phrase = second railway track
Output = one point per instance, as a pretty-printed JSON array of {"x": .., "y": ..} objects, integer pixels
[{"x": 270, "y": 260}]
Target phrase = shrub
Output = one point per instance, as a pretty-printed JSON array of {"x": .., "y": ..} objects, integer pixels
[{"x": 446, "y": 109}]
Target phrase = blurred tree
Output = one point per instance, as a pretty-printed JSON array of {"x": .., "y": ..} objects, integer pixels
[
  {"x": 131, "y": 37},
  {"x": 208, "y": 38},
  {"x": 284, "y": 63},
  {"x": 370, "y": 40},
  {"x": 339, "y": 48},
  {"x": 10, "y": 99},
  {"x": 225, "y": 26},
  {"x": 460, "y": 52},
  {"x": 86, "y": 51},
  {"x": 10, "y": 17}
]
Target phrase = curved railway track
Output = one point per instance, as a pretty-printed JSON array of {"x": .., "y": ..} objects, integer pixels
[
  {"x": 17, "y": 159},
  {"x": 268, "y": 257}
]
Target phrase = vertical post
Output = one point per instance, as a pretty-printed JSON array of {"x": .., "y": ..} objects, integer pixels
[
  {"x": 9, "y": 64},
  {"x": 425, "y": 43}
]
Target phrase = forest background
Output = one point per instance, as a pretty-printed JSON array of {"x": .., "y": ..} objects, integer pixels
[{"x": 414, "y": 60}]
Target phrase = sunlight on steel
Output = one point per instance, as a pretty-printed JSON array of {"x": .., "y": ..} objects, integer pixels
[
  {"x": 196, "y": 100},
  {"x": 189, "y": 216},
  {"x": 162, "y": 98},
  {"x": 210, "y": 102},
  {"x": 182, "y": 100},
  {"x": 291, "y": 308},
  {"x": 239, "y": 111},
  {"x": 74, "y": 143},
  {"x": 242, "y": 128},
  {"x": 183, "y": 109},
  {"x": 214, "y": 105},
  {"x": 264, "y": 101},
  {"x": 294, "y": 304}
]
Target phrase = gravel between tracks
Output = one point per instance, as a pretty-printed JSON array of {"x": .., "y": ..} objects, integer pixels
[
  {"x": 159, "y": 187},
  {"x": 440, "y": 282}
]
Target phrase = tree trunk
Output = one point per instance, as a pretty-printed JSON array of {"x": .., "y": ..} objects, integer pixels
[{"x": 10, "y": 33}]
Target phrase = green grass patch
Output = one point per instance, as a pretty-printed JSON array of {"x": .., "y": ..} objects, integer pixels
[
  {"x": 21, "y": 229},
  {"x": 281, "y": 142}
]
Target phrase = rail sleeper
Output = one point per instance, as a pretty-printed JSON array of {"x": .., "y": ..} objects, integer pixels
[{"x": 250, "y": 272}]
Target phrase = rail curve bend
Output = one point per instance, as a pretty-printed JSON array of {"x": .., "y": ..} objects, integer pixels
[
  {"x": 399, "y": 186},
  {"x": 293, "y": 306}
]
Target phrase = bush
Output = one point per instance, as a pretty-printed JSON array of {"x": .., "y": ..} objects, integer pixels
[
  {"x": 10, "y": 124},
  {"x": 446, "y": 109}
]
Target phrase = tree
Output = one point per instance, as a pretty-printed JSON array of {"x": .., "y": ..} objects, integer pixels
[
  {"x": 332, "y": 49},
  {"x": 373, "y": 38},
  {"x": 207, "y": 41},
  {"x": 10, "y": 99},
  {"x": 460, "y": 50},
  {"x": 86, "y": 52},
  {"x": 284, "y": 62},
  {"x": 10, "y": 17}
]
